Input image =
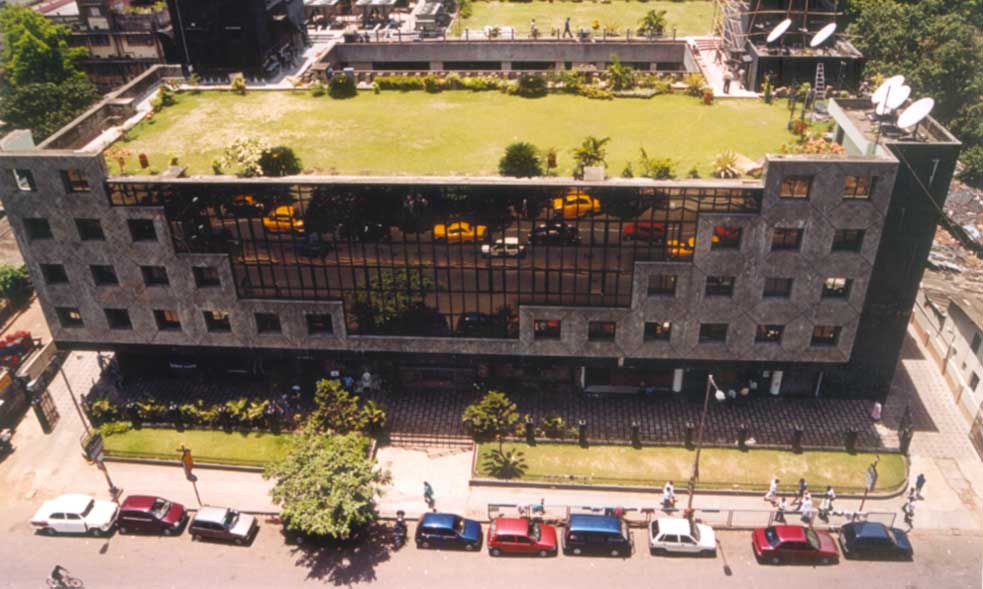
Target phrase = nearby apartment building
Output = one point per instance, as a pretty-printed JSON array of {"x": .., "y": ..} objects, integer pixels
[{"x": 798, "y": 283}]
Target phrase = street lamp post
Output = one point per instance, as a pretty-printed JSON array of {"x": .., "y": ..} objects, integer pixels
[{"x": 699, "y": 441}]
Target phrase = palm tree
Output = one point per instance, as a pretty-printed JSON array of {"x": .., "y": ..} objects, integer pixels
[
  {"x": 725, "y": 166},
  {"x": 653, "y": 24},
  {"x": 590, "y": 153}
]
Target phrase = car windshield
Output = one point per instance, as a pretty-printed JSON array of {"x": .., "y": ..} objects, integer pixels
[
  {"x": 88, "y": 508},
  {"x": 771, "y": 536},
  {"x": 230, "y": 518},
  {"x": 459, "y": 525},
  {"x": 160, "y": 508},
  {"x": 695, "y": 532},
  {"x": 534, "y": 532},
  {"x": 812, "y": 538}
]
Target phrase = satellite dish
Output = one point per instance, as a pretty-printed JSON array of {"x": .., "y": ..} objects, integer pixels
[
  {"x": 779, "y": 30},
  {"x": 916, "y": 112},
  {"x": 897, "y": 96},
  {"x": 823, "y": 35},
  {"x": 881, "y": 93}
]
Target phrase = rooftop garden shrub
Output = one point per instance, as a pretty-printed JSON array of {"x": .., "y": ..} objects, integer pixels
[
  {"x": 492, "y": 417},
  {"x": 972, "y": 161},
  {"x": 242, "y": 157},
  {"x": 694, "y": 84},
  {"x": 531, "y": 86},
  {"x": 280, "y": 161},
  {"x": 725, "y": 165},
  {"x": 595, "y": 93},
  {"x": 401, "y": 83},
  {"x": 318, "y": 89},
  {"x": 433, "y": 84},
  {"x": 656, "y": 168},
  {"x": 590, "y": 153},
  {"x": 15, "y": 284},
  {"x": 653, "y": 24},
  {"x": 342, "y": 86},
  {"x": 238, "y": 85},
  {"x": 521, "y": 160},
  {"x": 620, "y": 76}
]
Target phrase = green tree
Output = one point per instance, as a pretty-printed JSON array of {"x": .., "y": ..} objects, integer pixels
[
  {"x": 972, "y": 172},
  {"x": 15, "y": 284},
  {"x": 521, "y": 160},
  {"x": 342, "y": 86},
  {"x": 505, "y": 464},
  {"x": 590, "y": 153},
  {"x": 280, "y": 161},
  {"x": 656, "y": 168},
  {"x": 492, "y": 417},
  {"x": 242, "y": 157},
  {"x": 339, "y": 411},
  {"x": 326, "y": 485},
  {"x": 653, "y": 24},
  {"x": 619, "y": 75}
]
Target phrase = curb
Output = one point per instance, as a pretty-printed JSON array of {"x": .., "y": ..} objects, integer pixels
[{"x": 176, "y": 464}]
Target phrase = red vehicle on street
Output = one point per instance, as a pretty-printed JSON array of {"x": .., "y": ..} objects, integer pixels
[
  {"x": 520, "y": 535},
  {"x": 793, "y": 544},
  {"x": 644, "y": 231},
  {"x": 143, "y": 513}
]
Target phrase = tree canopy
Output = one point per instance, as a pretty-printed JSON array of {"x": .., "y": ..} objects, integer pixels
[{"x": 326, "y": 485}]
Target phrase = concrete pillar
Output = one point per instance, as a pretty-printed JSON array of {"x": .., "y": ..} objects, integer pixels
[
  {"x": 506, "y": 66},
  {"x": 677, "y": 380},
  {"x": 776, "y": 382},
  {"x": 436, "y": 66}
]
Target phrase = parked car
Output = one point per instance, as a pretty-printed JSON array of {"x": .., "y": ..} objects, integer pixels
[
  {"x": 779, "y": 544},
  {"x": 459, "y": 232},
  {"x": 283, "y": 220},
  {"x": 145, "y": 513},
  {"x": 312, "y": 246},
  {"x": 874, "y": 541},
  {"x": 365, "y": 232},
  {"x": 644, "y": 231},
  {"x": 520, "y": 535},
  {"x": 554, "y": 233},
  {"x": 476, "y": 325},
  {"x": 596, "y": 534},
  {"x": 575, "y": 204},
  {"x": 222, "y": 523},
  {"x": 76, "y": 514},
  {"x": 678, "y": 535},
  {"x": 504, "y": 248},
  {"x": 244, "y": 205},
  {"x": 446, "y": 530}
]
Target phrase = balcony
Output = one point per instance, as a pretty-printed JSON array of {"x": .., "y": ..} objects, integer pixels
[{"x": 153, "y": 18}]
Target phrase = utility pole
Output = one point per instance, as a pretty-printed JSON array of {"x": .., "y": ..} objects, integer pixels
[{"x": 699, "y": 444}]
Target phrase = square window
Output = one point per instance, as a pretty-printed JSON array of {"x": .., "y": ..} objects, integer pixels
[
  {"x": 75, "y": 181},
  {"x": 154, "y": 275},
  {"x": 546, "y": 329},
  {"x": 37, "y": 228},
  {"x": 720, "y": 286},
  {"x": 713, "y": 333},
  {"x": 25, "y": 180},
  {"x": 825, "y": 335},
  {"x": 320, "y": 324},
  {"x": 795, "y": 187},
  {"x": 977, "y": 340},
  {"x": 54, "y": 274},
  {"x": 90, "y": 230},
  {"x": 206, "y": 276},
  {"x": 268, "y": 323},
  {"x": 769, "y": 334},
  {"x": 837, "y": 288},
  {"x": 658, "y": 332},
  {"x": 858, "y": 187},
  {"x": 777, "y": 288},
  {"x": 848, "y": 240},
  {"x": 104, "y": 275},
  {"x": 69, "y": 316},
  {"x": 167, "y": 320},
  {"x": 217, "y": 321},
  {"x": 601, "y": 331},
  {"x": 118, "y": 319},
  {"x": 786, "y": 238},
  {"x": 726, "y": 237},
  {"x": 142, "y": 229},
  {"x": 662, "y": 285}
]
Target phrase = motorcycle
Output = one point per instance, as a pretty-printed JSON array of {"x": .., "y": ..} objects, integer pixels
[{"x": 399, "y": 530}]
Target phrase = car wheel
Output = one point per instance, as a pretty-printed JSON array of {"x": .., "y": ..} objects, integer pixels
[
  {"x": 167, "y": 531},
  {"x": 825, "y": 560},
  {"x": 615, "y": 552},
  {"x": 95, "y": 532},
  {"x": 495, "y": 552},
  {"x": 425, "y": 544},
  {"x": 578, "y": 551},
  {"x": 124, "y": 530},
  {"x": 239, "y": 541},
  {"x": 49, "y": 531},
  {"x": 470, "y": 547},
  {"x": 544, "y": 553},
  {"x": 775, "y": 560},
  {"x": 195, "y": 538}
]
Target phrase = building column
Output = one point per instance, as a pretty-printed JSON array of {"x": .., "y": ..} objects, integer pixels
[
  {"x": 436, "y": 66},
  {"x": 677, "y": 380}
]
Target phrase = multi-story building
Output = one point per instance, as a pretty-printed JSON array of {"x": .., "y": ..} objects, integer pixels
[
  {"x": 801, "y": 282},
  {"x": 123, "y": 37}
]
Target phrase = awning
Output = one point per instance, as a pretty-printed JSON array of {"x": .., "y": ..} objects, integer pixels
[{"x": 375, "y": 3}]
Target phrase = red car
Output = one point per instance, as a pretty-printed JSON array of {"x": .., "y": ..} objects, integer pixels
[
  {"x": 144, "y": 513},
  {"x": 519, "y": 535},
  {"x": 644, "y": 231},
  {"x": 778, "y": 544}
]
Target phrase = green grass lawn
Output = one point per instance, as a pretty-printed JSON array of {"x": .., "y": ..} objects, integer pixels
[
  {"x": 217, "y": 447},
  {"x": 719, "y": 468},
  {"x": 693, "y": 17},
  {"x": 456, "y": 132}
]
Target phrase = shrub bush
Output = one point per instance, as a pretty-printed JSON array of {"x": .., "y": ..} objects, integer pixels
[
  {"x": 620, "y": 76},
  {"x": 114, "y": 427},
  {"x": 521, "y": 160},
  {"x": 694, "y": 84},
  {"x": 595, "y": 93},
  {"x": 342, "y": 86},
  {"x": 454, "y": 82},
  {"x": 15, "y": 284},
  {"x": 531, "y": 86},
  {"x": 972, "y": 161},
  {"x": 571, "y": 80},
  {"x": 103, "y": 411},
  {"x": 555, "y": 427},
  {"x": 239, "y": 85},
  {"x": 401, "y": 83},
  {"x": 318, "y": 89},
  {"x": 484, "y": 83},
  {"x": 280, "y": 161},
  {"x": 433, "y": 84}
]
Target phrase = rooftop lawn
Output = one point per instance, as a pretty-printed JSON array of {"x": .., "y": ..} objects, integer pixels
[
  {"x": 692, "y": 17},
  {"x": 720, "y": 468},
  {"x": 216, "y": 447},
  {"x": 456, "y": 132}
]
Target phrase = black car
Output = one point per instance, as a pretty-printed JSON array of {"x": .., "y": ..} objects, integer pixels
[
  {"x": 554, "y": 233},
  {"x": 365, "y": 232},
  {"x": 312, "y": 246},
  {"x": 475, "y": 325},
  {"x": 603, "y": 535},
  {"x": 874, "y": 540}
]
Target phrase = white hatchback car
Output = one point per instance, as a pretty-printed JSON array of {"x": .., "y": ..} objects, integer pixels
[
  {"x": 677, "y": 535},
  {"x": 76, "y": 514},
  {"x": 504, "y": 248}
]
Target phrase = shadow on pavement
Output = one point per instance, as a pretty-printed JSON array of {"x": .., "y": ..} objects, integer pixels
[{"x": 347, "y": 565}]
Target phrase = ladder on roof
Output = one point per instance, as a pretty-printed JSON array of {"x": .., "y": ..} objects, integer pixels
[{"x": 820, "y": 85}]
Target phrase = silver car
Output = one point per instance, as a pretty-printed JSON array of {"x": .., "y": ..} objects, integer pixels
[{"x": 222, "y": 523}]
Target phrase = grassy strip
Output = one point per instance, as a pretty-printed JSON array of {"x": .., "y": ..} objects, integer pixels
[
  {"x": 241, "y": 449},
  {"x": 720, "y": 468}
]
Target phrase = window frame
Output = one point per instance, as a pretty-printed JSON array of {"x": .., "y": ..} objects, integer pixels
[
  {"x": 543, "y": 329},
  {"x": 99, "y": 281},
  {"x": 24, "y": 180},
  {"x": 125, "y": 313},
  {"x": 75, "y": 181},
  {"x": 661, "y": 331},
  {"x": 762, "y": 333},
  {"x": 37, "y": 229},
  {"x": 783, "y": 244},
  {"x": 204, "y": 278},
  {"x": 795, "y": 182},
  {"x": 660, "y": 289},
  {"x": 853, "y": 192},
  {"x": 314, "y": 320},
  {"x": 84, "y": 228},
  {"x": 164, "y": 321},
  {"x": 720, "y": 289},
  {"x": 705, "y": 337},
  {"x": 974, "y": 346},
  {"x": 66, "y": 319},
  {"x": 834, "y": 338},
  {"x": 217, "y": 321},
  {"x": 723, "y": 242},
  {"x": 774, "y": 294},
  {"x": 834, "y": 291},
  {"x": 266, "y": 329},
  {"x": 602, "y": 331},
  {"x": 857, "y": 244},
  {"x": 135, "y": 226},
  {"x": 150, "y": 280},
  {"x": 54, "y": 274}
]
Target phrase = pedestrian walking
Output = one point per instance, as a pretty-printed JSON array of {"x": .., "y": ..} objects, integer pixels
[
  {"x": 533, "y": 32},
  {"x": 909, "y": 513},
  {"x": 772, "y": 491},
  {"x": 728, "y": 78},
  {"x": 740, "y": 76},
  {"x": 803, "y": 486},
  {"x": 826, "y": 506},
  {"x": 566, "y": 29},
  {"x": 919, "y": 483},
  {"x": 428, "y": 494},
  {"x": 912, "y": 493},
  {"x": 668, "y": 495},
  {"x": 780, "y": 511},
  {"x": 807, "y": 510}
]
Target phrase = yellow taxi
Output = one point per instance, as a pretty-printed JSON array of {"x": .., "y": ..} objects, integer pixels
[
  {"x": 282, "y": 219},
  {"x": 459, "y": 232},
  {"x": 575, "y": 204}
]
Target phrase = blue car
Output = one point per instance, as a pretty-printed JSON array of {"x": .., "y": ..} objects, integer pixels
[
  {"x": 874, "y": 541},
  {"x": 597, "y": 534},
  {"x": 446, "y": 530}
]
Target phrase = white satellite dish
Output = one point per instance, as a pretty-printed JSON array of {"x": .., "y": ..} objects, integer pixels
[
  {"x": 915, "y": 113},
  {"x": 823, "y": 34},
  {"x": 897, "y": 96},
  {"x": 779, "y": 30},
  {"x": 881, "y": 93}
]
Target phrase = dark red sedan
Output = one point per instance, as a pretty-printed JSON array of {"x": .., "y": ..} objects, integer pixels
[
  {"x": 148, "y": 514},
  {"x": 519, "y": 535},
  {"x": 793, "y": 544}
]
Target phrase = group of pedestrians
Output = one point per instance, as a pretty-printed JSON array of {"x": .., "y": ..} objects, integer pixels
[
  {"x": 914, "y": 494},
  {"x": 801, "y": 502}
]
